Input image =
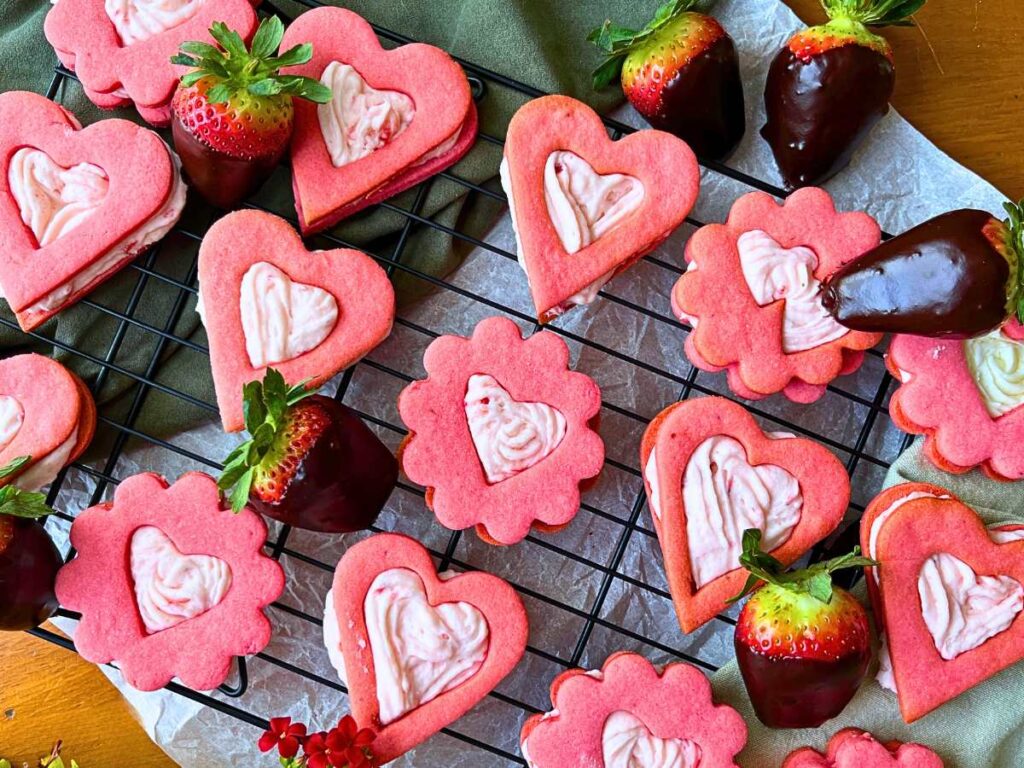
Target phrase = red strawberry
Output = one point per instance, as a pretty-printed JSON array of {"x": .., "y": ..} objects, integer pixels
[
  {"x": 29, "y": 561},
  {"x": 802, "y": 645},
  {"x": 310, "y": 462},
  {"x": 234, "y": 113},
  {"x": 681, "y": 72},
  {"x": 829, "y": 86}
]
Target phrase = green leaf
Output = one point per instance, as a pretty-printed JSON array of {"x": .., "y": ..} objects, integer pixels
[
  {"x": 5, "y": 764},
  {"x": 300, "y": 54},
  {"x": 18, "y": 503},
  {"x": 201, "y": 49},
  {"x": 262, "y": 439},
  {"x": 268, "y": 37},
  {"x": 609, "y": 71},
  {"x": 229, "y": 40},
  {"x": 312, "y": 90},
  {"x": 254, "y": 407},
  {"x": 240, "y": 495},
  {"x": 232, "y": 473},
  {"x": 14, "y": 465},
  {"x": 183, "y": 60},
  {"x": 191, "y": 78},
  {"x": 219, "y": 93},
  {"x": 819, "y": 586},
  {"x": 268, "y": 86},
  {"x": 275, "y": 395}
]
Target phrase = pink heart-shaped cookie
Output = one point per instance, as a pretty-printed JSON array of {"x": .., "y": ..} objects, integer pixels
[
  {"x": 629, "y": 712},
  {"x": 475, "y": 618},
  {"x": 439, "y": 117},
  {"x": 126, "y": 55},
  {"x": 156, "y": 635},
  {"x": 710, "y": 473},
  {"x": 942, "y": 644},
  {"x": 663, "y": 165},
  {"x": 241, "y": 261},
  {"x": 140, "y": 177},
  {"x": 851, "y": 748},
  {"x": 47, "y": 413}
]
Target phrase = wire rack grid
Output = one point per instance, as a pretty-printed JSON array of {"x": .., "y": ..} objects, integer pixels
[{"x": 606, "y": 573}]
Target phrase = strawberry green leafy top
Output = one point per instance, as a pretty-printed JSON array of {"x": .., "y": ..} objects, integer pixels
[
  {"x": 874, "y": 13},
  {"x": 618, "y": 42},
  {"x": 16, "y": 502},
  {"x": 1014, "y": 253},
  {"x": 265, "y": 405},
  {"x": 814, "y": 580},
  {"x": 255, "y": 70}
]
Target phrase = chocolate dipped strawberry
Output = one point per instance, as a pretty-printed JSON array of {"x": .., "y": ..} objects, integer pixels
[
  {"x": 829, "y": 86},
  {"x": 955, "y": 276},
  {"x": 681, "y": 72},
  {"x": 233, "y": 113},
  {"x": 29, "y": 561},
  {"x": 310, "y": 462},
  {"x": 802, "y": 645}
]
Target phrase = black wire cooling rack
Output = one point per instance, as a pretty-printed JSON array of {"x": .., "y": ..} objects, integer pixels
[{"x": 615, "y": 575}]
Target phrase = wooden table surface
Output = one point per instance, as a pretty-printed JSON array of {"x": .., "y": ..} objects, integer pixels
[{"x": 964, "y": 91}]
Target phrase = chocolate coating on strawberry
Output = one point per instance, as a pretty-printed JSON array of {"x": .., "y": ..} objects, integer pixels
[
  {"x": 802, "y": 645},
  {"x": 29, "y": 560},
  {"x": 233, "y": 112},
  {"x": 681, "y": 72},
  {"x": 829, "y": 86},
  {"x": 953, "y": 276},
  {"x": 311, "y": 462}
]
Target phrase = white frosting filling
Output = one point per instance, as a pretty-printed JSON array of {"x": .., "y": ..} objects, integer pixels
[
  {"x": 651, "y": 475},
  {"x": 171, "y": 587},
  {"x": 583, "y": 205},
  {"x": 138, "y": 20},
  {"x": 883, "y": 518},
  {"x": 885, "y": 676},
  {"x": 509, "y": 436},
  {"x": 43, "y": 472},
  {"x": 774, "y": 273},
  {"x": 1005, "y": 537},
  {"x": 627, "y": 743},
  {"x": 724, "y": 495},
  {"x": 996, "y": 363},
  {"x": 963, "y": 610},
  {"x": 281, "y": 318},
  {"x": 359, "y": 119},
  {"x": 419, "y": 651},
  {"x": 124, "y": 251},
  {"x": 52, "y": 199},
  {"x": 12, "y": 416}
]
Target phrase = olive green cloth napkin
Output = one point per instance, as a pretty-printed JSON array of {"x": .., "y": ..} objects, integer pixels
[
  {"x": 982, "y": 728},
  {"x": 536, "y": 41}
]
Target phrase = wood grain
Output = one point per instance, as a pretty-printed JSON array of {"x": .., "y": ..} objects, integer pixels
[{"x": 965, "y": 95}]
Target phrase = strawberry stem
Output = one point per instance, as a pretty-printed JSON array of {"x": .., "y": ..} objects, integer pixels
[
  {"x": 1014, "y": 253},
  {"x": 874, "y": 13},
  {"x": 815, "y": 580},
  {"x": 265, "y": 405},
  {"x": 234, "y": 68},
  {"x": 616, "y": 42}
]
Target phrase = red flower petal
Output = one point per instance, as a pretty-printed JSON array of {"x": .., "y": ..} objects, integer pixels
[{"x": 268, "y": 741}]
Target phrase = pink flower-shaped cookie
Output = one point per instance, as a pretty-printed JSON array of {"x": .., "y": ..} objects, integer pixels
[
  {"x": 501, "y": 432},
  {"x": 751, "y": 293},
  {"x": 630, "y": 714},
  {"x": 121, "y": 51},
  {"x": 966, "y": 397},
  {"x": 851, "y": 748},
  {"x": 169, "y": 582}
]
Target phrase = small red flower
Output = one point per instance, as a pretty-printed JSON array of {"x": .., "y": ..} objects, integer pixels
[
  {"x": 283, "y": 735},
  {"x": 345, "y": 746}
]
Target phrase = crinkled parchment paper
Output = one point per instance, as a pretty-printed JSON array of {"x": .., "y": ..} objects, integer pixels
[{"x": 900, "y": 178}]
